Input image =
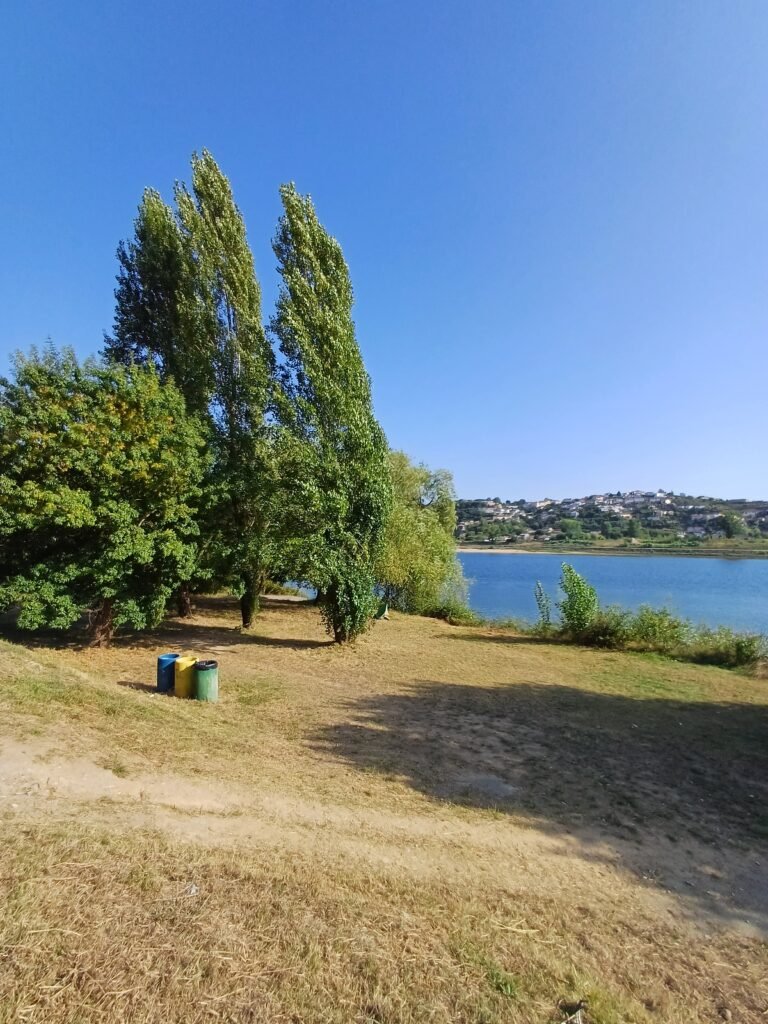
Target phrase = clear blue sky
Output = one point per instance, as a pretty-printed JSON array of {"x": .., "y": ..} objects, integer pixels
[{"x": 555, "y": 214}]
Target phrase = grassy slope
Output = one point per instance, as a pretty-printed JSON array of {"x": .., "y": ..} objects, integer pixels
[{"x": 439, "y": 824}]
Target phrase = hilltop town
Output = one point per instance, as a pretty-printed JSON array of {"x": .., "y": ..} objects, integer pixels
[{"x": 620, "y": 519}]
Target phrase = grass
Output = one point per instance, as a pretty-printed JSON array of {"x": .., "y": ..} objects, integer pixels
[
  {"x": 102, "y": 925},
  {"x": 116, "y": 766},
  {"x": 439, "y": 823}
]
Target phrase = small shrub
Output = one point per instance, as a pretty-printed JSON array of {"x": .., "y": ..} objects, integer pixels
[
  {"x": 726, "y": 647},
  {"x": 657, "y": 629},
  {"x": 580, "y": 604},
  {"x": 610, "y": 627},
  {"x": 457, "y": 613},
  {"x": 349, "y": 603},
  {"x": 583, "y": 621},
  {"x": 544, "y": 605}
]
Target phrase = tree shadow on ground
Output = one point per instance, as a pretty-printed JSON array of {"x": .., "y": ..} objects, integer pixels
[
  {"x": 656, "y": 779},
  {"x": 218, "y": 604},
  {"x": 181, "y": 633},
  {"x": 173, "y": 633},
  {"x": 484, "y": 636}
]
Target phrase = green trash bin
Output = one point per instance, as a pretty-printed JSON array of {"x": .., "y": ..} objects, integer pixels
[{"x": 207, "y": 680}]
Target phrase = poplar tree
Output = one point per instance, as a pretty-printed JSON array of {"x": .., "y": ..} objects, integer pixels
[
  {"x": 241, "y": 368},
  {"x": 188, "y": 300},
  {"x": 342, "y": 494},
  {"x": 155, "y": 308}
]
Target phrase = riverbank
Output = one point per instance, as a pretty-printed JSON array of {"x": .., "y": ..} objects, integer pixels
[{"x": 555, "y": 549}]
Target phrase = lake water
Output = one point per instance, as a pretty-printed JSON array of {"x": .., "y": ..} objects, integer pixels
[{"x": 712, "y": 591}]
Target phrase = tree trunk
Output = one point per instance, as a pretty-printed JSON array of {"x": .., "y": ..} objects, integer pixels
[
  {"x": 101, "y": 624},
  {"x": 249, "y": 602},
  {"x": 184, "y": 601},
  {"x": 329, "y": 598}
]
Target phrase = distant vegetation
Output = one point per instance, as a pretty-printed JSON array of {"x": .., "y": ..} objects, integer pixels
[
  {"x": 636, "y": 519},
  {"x": 206, "y": 450}
]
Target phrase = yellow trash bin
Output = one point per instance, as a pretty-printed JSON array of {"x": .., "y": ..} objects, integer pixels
[{"x": 184, "y": 676}]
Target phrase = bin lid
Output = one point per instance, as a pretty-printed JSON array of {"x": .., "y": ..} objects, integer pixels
[{"x": 205, "y": 666}]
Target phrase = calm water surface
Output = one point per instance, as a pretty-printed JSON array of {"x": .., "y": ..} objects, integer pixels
[{"x": 713, "y": 591}]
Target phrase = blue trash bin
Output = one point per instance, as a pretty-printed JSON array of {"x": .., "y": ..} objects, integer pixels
[{"x": 165, "y": 669}]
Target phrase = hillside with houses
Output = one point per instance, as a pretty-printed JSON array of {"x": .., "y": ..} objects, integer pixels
[{"x": 621, "y": 519}]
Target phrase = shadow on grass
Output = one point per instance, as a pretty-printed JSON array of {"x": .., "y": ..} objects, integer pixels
[
  {"x": 179, "y": 634},
  {"x": 482, "y": 634},
  {"x": 173, "y": 633},
  {"x": 641, "y": 774},
  {"x": 130, "y": 684}
]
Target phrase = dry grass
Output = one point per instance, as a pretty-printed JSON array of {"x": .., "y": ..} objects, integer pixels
[
  {"x": 100, "y": 926},
  {"x": 439, "y": 824}
]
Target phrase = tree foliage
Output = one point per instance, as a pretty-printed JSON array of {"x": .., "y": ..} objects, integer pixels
[
  {"x": 580, "y": 603},
  {"x": 296, "y": 481},
  {"x": 188, "y": 300},
  {"x": 99, "y": 471},
  {"x": 417, "y": 566},
  {"x": 156, "y": 319},
  {"x": 341, "y": 499},
  {"x": 544, "y": 606},
  {"x": 241, "y": 369},
  {"x": 732, "y": 525}
]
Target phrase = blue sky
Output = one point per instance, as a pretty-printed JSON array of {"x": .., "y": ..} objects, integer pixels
[{"x": 555, "y": 214}]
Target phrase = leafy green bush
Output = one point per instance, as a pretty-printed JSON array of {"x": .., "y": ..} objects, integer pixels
[
  {"x": 100, "y": 470},
  {"x": 454, "y": 611},
  {"x": 580, "y": 604},
  {"x": 724, "y": 646},
  {"x": 657, "y": 629},
  {"x": 649, "y": 629},
  {"x": 609, "y": 627},
  {"x": 348, "y": 605}
]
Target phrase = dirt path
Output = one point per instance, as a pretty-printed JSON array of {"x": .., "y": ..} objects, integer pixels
[{"x": 38, "y": 782}]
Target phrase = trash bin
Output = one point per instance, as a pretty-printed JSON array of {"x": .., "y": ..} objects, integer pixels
[
  {"x": 184, "y": 676},
  {"x": 207, "y": 680},
  {"x": 165, "y": 664}
]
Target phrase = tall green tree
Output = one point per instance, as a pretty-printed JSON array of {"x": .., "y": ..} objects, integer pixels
[
  {"x": 156, "y": 308},
  {"x": 242, "y": 381},
  {"x": 732, "y": 525},
  {"x": 189, "y": 301},
  {"x": 341, "y": 501},
  {"x": 98, "y": 486},
  {"x": 417, "y": 565}
]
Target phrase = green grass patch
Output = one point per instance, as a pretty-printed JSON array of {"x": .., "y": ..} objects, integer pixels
[{"x": 261, "y": 692}]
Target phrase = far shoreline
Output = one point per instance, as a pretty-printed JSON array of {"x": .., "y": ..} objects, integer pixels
[{"x": 726, "y": 554}]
